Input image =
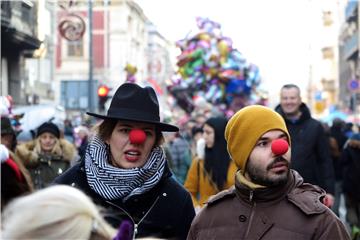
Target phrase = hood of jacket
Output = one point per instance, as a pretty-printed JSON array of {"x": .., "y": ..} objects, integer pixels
[
  {"x": 295, "y": 190},
  {"x": 29, "y": 151}
]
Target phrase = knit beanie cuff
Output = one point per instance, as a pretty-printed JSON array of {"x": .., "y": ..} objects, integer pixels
[
  {"x": 48, "y": 127},
  {"x": 246, "y": 127}
]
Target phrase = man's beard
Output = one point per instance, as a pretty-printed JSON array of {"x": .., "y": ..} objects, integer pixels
[{"x": 259, "y": 176}]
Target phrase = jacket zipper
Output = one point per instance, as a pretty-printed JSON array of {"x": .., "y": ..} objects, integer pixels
[
  {"x": 251, "y": 214},
  {"x": 132, "y": 220},
  {"x": 136, "y": 225},
  {"x": 152, "y": 206},
  {"x": 251, "y": 195}
]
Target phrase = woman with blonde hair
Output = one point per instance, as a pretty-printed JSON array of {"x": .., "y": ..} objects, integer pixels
[
  {"x": 47, "y": 156},
  {"x": 55, "y": 212}
]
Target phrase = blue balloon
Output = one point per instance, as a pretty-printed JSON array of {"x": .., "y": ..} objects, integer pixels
[{"x": 236, "y": 86}]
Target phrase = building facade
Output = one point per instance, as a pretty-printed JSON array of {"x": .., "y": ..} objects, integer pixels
[
  {"x": 349, "y": 65},
  {"x": 119, "y": 37},
  {"x": 19, "y": 40}
]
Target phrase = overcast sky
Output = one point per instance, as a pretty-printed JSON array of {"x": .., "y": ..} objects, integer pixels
[{"x": 275, "y": 35}]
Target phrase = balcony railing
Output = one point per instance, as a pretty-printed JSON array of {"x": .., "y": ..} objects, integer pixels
[
  {"x": 351, "y": 45},
  {"x": 351, "y": 9},
  {"x": 20, "y": 16}
]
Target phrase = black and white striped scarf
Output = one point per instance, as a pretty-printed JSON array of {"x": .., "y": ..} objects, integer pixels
[{"x": 117, "y": 183}]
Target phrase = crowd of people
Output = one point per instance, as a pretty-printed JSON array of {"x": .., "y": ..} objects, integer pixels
[{"x": 259, "y": 174}]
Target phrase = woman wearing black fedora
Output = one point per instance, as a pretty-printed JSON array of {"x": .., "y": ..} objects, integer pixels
[{"x": 125, "y": 171}]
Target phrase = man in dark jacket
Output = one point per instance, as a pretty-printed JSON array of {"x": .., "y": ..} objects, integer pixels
[
  {"x": 311, "y": 150},
  {"x": 350, "y": 159},
  {"x": 268, "y": 201}
]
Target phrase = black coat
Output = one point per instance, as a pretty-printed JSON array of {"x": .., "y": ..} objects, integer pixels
[
  {"x": 310, "y": 150},
  {"x": 166, "y": 211},
  {"x": 350, "y": 159}
]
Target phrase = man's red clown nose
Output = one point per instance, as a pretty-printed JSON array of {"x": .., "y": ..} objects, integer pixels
[
  {"x": 137, "y": 136},
  {"x": 279, "y": 146}
]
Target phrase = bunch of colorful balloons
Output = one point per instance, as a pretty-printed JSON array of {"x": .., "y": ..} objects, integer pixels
[{"x": 210, "y": 67}]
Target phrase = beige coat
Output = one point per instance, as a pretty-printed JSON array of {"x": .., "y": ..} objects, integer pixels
[{"x": 45, "y": 168}]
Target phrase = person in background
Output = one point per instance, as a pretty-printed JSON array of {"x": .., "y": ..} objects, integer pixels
[
  {"x": 350, "y": 159},
  {"x": 215, "y": 172},
  {"x": 125, "y": 169},
  {"x": 180, "y": 155},
  {"x": 337, "y": 142},
  {"x": 348, "y": 130},
  {"x": 8, "y": 134},
  {"x": 56, "y": 212},
  {"x": 311, "y": 151},
  {"x": 337, "y": 130},
  {"x": 186, "y": 128},
  {"x": 68, "y": 130},
  {"x": 197, "y": 142},
  {"x": 81, "y": 136},
  {"x": 47, "y": 156},
  {"x": 200, "y": 118},
  {"x": 15, "y": 179},
  {"x": 269, "y": 200}
]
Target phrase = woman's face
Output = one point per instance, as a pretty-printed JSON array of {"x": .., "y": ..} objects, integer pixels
[
  {"x": 125, "y": 154},
  {"x": 47, "y": 141},
  {"x": 209, "y": 135}
]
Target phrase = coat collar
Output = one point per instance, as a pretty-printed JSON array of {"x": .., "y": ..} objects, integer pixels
[
  {"x": 268, "y": 193},
  {"x": 305, "y": 113}
]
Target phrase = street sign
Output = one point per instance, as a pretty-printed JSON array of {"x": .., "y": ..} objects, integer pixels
[{"x": 354, "y": 85}]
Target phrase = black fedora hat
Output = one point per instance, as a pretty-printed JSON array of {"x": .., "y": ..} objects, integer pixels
[{"x": 134, "y": 103}]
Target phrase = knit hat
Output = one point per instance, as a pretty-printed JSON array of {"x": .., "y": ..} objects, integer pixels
[
  {"x": 6, "y": 127},
  {"x": 48, "y": 127},
  {"x": 246, "y": 127}
]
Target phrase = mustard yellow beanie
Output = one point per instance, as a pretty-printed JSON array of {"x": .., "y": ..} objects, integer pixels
[{"x": 245, "y": 128}]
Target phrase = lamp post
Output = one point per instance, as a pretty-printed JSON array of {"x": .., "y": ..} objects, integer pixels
[{"x": 91, "y": 87}]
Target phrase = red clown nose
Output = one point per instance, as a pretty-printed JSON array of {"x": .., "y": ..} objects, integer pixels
[
  {"x": 279, "y": 146},
  {"x": 137, "y": 136}
]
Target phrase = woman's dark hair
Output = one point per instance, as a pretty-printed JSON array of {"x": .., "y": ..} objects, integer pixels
[
  {"x": 107, "y": 126},
  {"x": 217, "y": 158}
]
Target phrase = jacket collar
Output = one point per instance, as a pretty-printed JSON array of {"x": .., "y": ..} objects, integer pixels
[
  {"x": 268, "y": 193},
  {"x": 305, "y": 113}
]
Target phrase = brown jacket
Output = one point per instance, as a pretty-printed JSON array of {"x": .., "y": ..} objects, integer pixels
[{"x": 293, "y": 211}]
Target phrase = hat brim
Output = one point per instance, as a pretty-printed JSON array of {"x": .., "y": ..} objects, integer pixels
[{"x": 164, "y": 127}]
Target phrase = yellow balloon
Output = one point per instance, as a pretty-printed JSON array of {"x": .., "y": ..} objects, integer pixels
[
  {"x": 204, "y": 36},
  {"x": 223, "y": 48},
  {"x": 182, "y": 72}
]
